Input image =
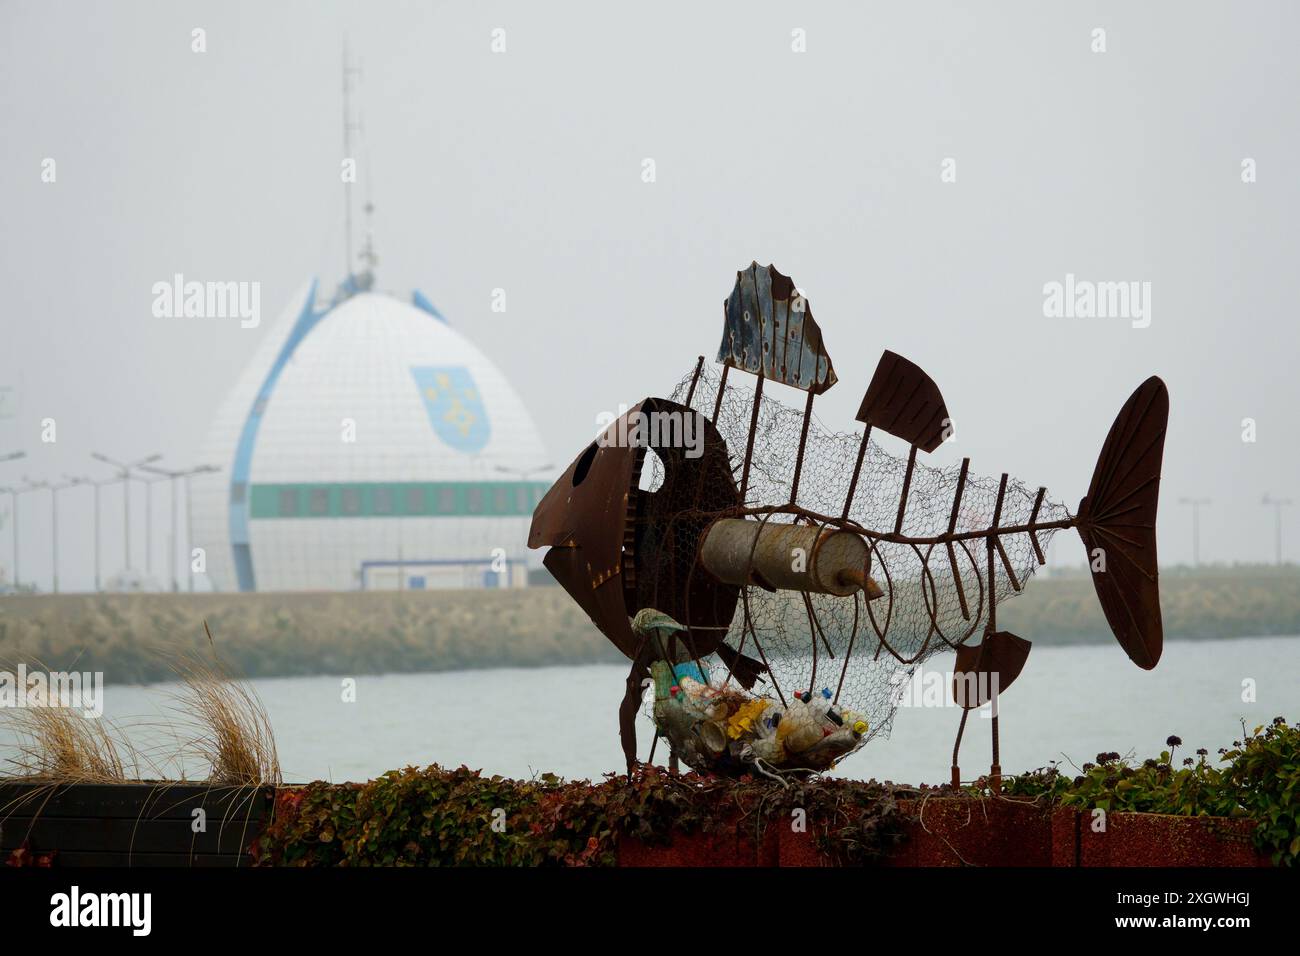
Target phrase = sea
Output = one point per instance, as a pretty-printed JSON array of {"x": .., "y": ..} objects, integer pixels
[{"x": 1070, "y": 703}]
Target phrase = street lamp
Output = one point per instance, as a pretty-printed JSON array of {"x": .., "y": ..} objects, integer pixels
[
  {"x": 73, "y": 481},
  {"x": 39, "y": 486},
  {"x": 148, "y": 517},
  {"x": 54, "y": 524},
  {"x": 1196, "y": 526},
  {"x": 1278, "y": 504},
  {"x": 14, "y": 491},
  {"x": 13, "y": 507},
  {"x": 174, "y": 475},
  {"x": 124, "y": 472}
]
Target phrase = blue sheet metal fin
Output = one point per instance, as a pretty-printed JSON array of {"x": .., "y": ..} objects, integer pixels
[{"x": 768, "y": 329}]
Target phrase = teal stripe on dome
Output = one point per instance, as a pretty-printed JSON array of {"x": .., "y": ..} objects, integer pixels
[{"x": 400, "y": 499}]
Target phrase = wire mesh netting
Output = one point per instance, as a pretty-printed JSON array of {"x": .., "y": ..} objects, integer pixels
[{"x": 863, "y": 652}]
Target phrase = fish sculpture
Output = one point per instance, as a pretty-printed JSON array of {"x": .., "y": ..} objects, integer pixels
[{"x": 810, "y": 574}]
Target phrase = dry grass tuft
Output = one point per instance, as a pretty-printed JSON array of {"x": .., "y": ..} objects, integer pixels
[
  {"x": 232, "y": 732},
  {"x": 59, "y": 744},
  {"x": 222, "y": 725}
]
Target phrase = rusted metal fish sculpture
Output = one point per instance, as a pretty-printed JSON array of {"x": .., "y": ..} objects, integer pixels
[{"x": 794, "y": 557}]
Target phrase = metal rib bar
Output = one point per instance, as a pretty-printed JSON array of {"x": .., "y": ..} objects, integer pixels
[
  {"x": 803, "y": 441},
  {"x": 857, "y": 470},
  {"x": 907, "y": 485},
  {"x": 722, "y": 388},
  {"x": 952, "y": 526},
  {"x": 848, "y": 654},
  {"x": 749, "y": 446},
  {"x": 695, "y": 380},
  {"x": 1033, "y": 535}
]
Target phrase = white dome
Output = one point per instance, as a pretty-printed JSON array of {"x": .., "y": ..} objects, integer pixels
[{"x": 367, "y": 443}]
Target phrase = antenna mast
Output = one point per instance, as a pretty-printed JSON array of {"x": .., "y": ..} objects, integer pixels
[{"x": 348, "y": 126}]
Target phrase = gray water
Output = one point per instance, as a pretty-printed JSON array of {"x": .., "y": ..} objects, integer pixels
[{"x": 1070, "y": 703}]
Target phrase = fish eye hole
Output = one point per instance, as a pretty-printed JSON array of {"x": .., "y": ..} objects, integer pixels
[
  {"x": 584, "y": 464},
  {"x": 652, "y": 471}
]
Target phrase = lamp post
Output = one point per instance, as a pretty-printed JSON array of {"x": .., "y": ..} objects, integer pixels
[
  {"x": 76, "y": 480},
  {"x": 54, "y": 551},
  {"x": 176, "y": 475},
  {"x": 1278, "y": 504},
  {"x": 124, "y": 472},
  {"x": 14, "y": 491},
  {"x": 54, "y": 490},
  {"x": 148, "y": 516},
  {"x": 1195, "y": 504},
  {"x": 13, "y": 508}
]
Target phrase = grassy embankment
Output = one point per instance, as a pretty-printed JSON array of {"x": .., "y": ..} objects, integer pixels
[{"x": 131, "y": 638}]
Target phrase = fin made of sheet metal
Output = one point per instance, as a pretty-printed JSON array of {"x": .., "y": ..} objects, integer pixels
[
  {"x": 1117, "y": 522},
  {"x": 987, "y": 667},
  {"x": 768, "y": 330},
  {"x": 905, "y": 402}
]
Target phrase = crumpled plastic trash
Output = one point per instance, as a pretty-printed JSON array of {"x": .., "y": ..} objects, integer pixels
[{"x": 724, "y": 730}]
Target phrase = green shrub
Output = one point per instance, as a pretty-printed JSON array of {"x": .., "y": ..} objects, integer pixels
[
  {"x": 1259, "y": 779},
  {"x": 438, "y": 817}
]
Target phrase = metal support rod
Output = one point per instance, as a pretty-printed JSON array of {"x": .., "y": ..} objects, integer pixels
[
  {"x": 812, "y": 634},
  {"x": 920, "y": 541},
  {"x": 907, "y": 485},
  {"x": 857, "y": 470},
  {"x": 1006, "y": 562},
  {"x": 956, "y": 748},
  {"x": 848, "y": 652},
  {"x": 995, "y": 769},
  {"x": 992, "y": 572},
  {"x": 1033, "y": 517},
  {"x": 722, "y": 388},
  {"x": 952, "y": 553},
  {"x": 749, "y": 446},
  {"x": 803, "y": 441},
  {"x": 695, "y": 379}
]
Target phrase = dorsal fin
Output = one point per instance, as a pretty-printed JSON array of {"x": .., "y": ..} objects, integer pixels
[
  {"x": 768, "y": 329},
  {"x": 905, "y": 402}
]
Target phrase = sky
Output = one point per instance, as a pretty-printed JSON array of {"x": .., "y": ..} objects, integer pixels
[{"x": 923, "y": 171}]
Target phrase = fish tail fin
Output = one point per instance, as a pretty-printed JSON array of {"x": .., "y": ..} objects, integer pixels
[{"x": 1117, "y": 521}]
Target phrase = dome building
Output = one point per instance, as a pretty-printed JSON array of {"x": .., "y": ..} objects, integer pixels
[{"x": 368, "y": 445}]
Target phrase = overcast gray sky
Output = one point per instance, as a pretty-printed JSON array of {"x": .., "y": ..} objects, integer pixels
[{"x": 522, "y": 170}]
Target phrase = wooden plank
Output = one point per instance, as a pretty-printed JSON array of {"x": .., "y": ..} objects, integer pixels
[
  {"x": 121, "y": 835},
  {"x": 133, "y": 800},
  {"x": 105, "y": 859}
]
